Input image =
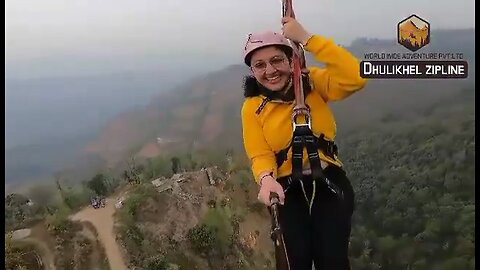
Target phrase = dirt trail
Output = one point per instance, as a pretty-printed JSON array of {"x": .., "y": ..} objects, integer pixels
[{"x": 102, "y": 219}]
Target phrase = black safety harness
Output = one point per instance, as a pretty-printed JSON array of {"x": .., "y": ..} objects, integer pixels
[{"x": 303, "y": 136}]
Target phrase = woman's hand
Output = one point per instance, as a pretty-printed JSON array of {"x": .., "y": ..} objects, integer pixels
[
  {"x": 269, "y": 184},
  {"x": 294, "y": 31}
]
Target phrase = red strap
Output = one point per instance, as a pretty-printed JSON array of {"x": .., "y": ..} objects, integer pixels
[{"x": 299, "y": 65}]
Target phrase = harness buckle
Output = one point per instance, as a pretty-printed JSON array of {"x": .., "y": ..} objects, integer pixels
[
  {"x": 304, "y": 111},
  {"x": 308, "y": 124},
  {"x": 330, "y": 147}
]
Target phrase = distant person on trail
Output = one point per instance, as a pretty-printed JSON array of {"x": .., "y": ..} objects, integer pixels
[{"x": 315, "y": 214}]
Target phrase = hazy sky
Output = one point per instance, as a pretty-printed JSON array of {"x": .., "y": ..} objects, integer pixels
[{"x": 53, "y": 37}]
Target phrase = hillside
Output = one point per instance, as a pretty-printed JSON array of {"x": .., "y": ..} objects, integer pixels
[
  {"x": 413, "y": 176},
  {"x": 65, "y": 113},
  {"x": 195, "y": 224},
  {"x": 46, "y": 239},
  {"x": 206, "y": 110},
  {"x": 414, "y": 179}
]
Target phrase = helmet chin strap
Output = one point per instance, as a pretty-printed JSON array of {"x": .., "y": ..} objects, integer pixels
[{"x": 288, "y": 85}]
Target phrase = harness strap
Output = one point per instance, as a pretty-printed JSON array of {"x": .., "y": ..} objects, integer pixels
[
  {"x": 303, "y": 137},
  {"x": 297, "y": 157},
  {"x": 328, "y": 147},
  {"x": 262, "y": 105},
  {"x": 316, "y": 167},
  {"x": 314, "y": 158}
]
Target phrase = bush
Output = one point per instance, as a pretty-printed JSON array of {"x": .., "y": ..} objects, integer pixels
[
  {"x": 77, "y": 197},
  {"x": 136, "y": 198},
  {"x": 212, "y": 203},
  {"x": 132, "y": 238},
  {"x": 243, "y": 179},
  {"x": 59, "y": 223},
  {"x": 98, "y": 185},
  {"x": 19, "y": 214},
  {"x": 202, "y": 238},
  {"x": 225, "y": 202},
  {"x": 132, "y": 204},
  {"x": 219, "y": 220},
  {"x": 157, "y": 167},
  {"x": 13, "y": 255},
  {"x": 156, "y": 263},
  {"x": 133, "y": 233}
]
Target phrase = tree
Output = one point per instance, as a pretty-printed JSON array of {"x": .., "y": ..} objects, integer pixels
[
  {"x": 175, "y": 164},
  {"x": 65, "y": 198},
  {"x": 413, "y": 198},
  {"x": 202, "y": 238},
  {"x": 15, "y": 200},
  {"x": 97, "y": 185},
  {"x": 132, "y": 173},
  {"x": 155, "y": 263}
]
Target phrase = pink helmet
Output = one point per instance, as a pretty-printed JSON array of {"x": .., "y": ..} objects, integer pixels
[{"x": 262, "y": 39}]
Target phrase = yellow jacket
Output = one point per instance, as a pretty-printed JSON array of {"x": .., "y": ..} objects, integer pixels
[{"x": 271, "y": 130}]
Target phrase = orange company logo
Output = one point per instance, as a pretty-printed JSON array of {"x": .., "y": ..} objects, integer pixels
[{"x": 413, "y": 33}]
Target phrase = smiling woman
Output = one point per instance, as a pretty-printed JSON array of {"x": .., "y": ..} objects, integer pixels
[
  {"x": 318, "y": 206},
  {"x": 271, "y": 65}
]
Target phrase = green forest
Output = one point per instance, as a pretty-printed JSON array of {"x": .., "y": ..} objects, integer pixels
[{"x": 414, "y": 180}]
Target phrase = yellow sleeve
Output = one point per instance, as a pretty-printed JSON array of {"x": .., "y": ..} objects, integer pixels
[
  {"x": 261, "y": 156},
  {"x": 341, "y": 76}
]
